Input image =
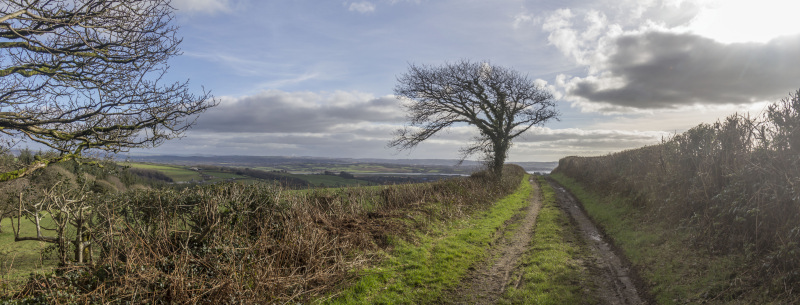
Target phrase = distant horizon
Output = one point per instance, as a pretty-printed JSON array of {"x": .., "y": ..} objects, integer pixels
[
  {"x": 141, "y": 153},
  {"x": 329, "y": 158}
]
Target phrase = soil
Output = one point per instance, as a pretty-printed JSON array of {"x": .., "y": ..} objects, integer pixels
[{"x": 487, "y": 281}]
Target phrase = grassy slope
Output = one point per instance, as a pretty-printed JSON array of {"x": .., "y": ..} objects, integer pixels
[
  {"x": 552, "y": 269},
  {"x": 19, "y": 259},
  {"x": 177, "y": 173},
  {"x": 676, "y": 273},
  {"x": 418, "y": 273}
]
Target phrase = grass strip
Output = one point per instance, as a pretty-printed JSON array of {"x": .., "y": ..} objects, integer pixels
[
  {"x": 417, "y": 273},
  {"x": 676, "y": 274},
  {"x": 552, "y": 269}
]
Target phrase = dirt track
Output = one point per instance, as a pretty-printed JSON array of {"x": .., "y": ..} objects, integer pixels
[
  {"x": 486, "y": 282},
  {"x": 612, "y": 276}
]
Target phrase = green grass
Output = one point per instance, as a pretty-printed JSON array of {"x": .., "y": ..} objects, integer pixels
[
  {"x": 552, "y": 269},
  {"x": 418, "y": 273},
  {"x": 675, "y": 272},
  {"x": 20, "y": 259},
  {"x": 177, "y": 173}
]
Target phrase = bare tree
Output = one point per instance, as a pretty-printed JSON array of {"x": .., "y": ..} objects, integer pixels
[
  {"x": 500, "y": 102},
  {"x": 77, "y": 75}
]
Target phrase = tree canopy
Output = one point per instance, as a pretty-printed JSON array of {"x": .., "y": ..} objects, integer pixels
[
  {"x": 77, "y": 75},
  {"x": 502, "y": 103}
]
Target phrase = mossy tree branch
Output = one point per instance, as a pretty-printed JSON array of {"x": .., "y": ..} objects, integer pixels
[{"x": 82, "y": 75}]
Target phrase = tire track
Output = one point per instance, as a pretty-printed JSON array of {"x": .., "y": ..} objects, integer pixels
[
  {"x": 615, "y": 281},
  {"x": 487, "y": 282}
]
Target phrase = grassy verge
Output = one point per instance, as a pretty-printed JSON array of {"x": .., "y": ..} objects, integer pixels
[
  {"x": 417, "y": 273},
  {"x": 552, "y": 269},
  {"x": 677, "y": 274}
]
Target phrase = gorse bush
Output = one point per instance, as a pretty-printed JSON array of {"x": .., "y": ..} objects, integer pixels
[
  {"x": 734, "y": 186},
  {"x": 235, "y": 243}
]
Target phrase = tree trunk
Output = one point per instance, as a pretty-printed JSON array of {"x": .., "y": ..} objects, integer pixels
[{"x": 499, "y": 159}]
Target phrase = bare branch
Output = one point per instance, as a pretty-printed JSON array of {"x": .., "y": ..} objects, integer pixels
[
  {"x": 500, "y": 102},
  {"x": 81, "y": 75}
]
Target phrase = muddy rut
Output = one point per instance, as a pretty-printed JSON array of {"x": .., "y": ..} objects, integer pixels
[
  {"x": 613, "y": 277},
  {"x": 487, "y": 282}
]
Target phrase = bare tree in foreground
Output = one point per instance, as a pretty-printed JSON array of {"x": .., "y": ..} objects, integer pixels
[
  {"x": 500, "y": 102},
  {"x": 77, "y": 75}
]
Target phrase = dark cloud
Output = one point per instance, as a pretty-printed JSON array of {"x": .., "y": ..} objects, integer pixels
[
  {"x": 668, "y": 70},
  {"x": 297, "y": 112}
]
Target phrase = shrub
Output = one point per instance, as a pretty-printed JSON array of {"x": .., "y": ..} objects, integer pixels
[
  {"x": 731, "y": 184},
  {"x": 234, "y": 243}
]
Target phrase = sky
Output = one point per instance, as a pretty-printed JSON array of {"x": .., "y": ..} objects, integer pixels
[{"x": 316, "y": 78}]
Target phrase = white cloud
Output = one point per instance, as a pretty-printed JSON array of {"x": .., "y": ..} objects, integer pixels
[
  {"x": 658, "y": 63},
  {"x": 746, "y": 20},
  {"x": 523, "y": 18},
  {"x": 362, "y": 7},
  {"x": 203, "y": 6}
]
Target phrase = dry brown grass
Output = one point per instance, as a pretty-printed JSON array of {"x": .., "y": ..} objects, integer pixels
[{"x": 231, "y": 243}]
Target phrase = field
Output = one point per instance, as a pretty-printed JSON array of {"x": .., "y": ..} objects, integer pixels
[
  {"x": 352, "y": 168},
  {"x": 328, "y": 180},
  {"x": 177, "y": 173},
  {"x": 453, "y": 241},
  {"x": 183, "y": 174},
  {"x": 19, "y": 259},
  {"x": 316, "y": 238}
]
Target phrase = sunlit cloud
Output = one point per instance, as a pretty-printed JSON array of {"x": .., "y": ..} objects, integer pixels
[
  {"x": 203, "y": 6},
  {"x": 654, "y": 66},
  {"x": 362, "y": 7}
]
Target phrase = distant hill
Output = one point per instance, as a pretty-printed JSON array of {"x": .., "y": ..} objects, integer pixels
[{"x": 314, "y": 163}]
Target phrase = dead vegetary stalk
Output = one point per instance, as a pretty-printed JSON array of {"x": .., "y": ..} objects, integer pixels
[{"x": 231, "y": 243}]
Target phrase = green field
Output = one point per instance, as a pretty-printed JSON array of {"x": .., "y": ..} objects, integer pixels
[
  {"x": 218, "y": 176},
  {"x": 328, "y": 180},
  {"x": 361, "y": 168},
  {"x": 185, "y": 174},
  {"x": 177, "y": 173},
  {"x": 19, "y": 259}
]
